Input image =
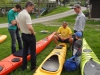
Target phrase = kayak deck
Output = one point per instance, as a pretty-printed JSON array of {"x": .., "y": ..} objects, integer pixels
[
  {"x": 90, "y": 64},
  {"x": 53, "y": 63}
]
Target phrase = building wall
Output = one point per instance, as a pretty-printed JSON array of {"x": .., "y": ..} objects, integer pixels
[{"x": 95, "y": 8}]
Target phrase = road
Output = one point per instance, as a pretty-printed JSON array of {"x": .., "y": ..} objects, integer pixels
[{"x": 49, "y": 18}]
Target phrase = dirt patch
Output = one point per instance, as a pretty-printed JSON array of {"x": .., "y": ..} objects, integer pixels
[{"x": 52, "y": 23}]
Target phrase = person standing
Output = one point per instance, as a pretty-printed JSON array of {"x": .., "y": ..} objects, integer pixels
[
  {"x": 80, "y": 21},
  {"x": 13, "y": 28},
  {"x": 28, "y": 35}
]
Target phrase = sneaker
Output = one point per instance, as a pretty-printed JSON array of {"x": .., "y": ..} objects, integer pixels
[{"x": 28, "y": 67}]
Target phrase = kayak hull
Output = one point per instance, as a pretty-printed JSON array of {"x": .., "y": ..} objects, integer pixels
[
  {"x": 87, "y": 56},
  {"x": 7, "y": 65},
  {"x": 2, "y": 38}
]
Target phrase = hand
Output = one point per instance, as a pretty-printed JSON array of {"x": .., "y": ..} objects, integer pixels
[
  {"x": 18, "y": 28},
  {"x": 65, "y": 38},
  {"x": 62, "y": 38},
  {"x": 34, "y": 33}
]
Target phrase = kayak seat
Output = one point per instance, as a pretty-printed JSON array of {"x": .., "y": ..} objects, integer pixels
[
  {"x": 1, "y": 68},
  {"x": 57, "y": 53},
  {"x": 51, "y": 64},
  {"x": 19, "y": 53},
  {"x": 61, "y": 45},
  {"x": 15, "y": 60},
  {"x": 58, "y": 47},
  {"x": 87, "y": 50}
]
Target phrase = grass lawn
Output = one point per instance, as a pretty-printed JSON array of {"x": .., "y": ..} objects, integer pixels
[
  {"x": 57, "y": 10},
  {"x": 91, "y": 33},
  {"x": 3, "y": 19}
]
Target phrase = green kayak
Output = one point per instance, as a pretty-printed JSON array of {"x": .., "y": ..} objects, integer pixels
[{"x": 90, "y": 64}]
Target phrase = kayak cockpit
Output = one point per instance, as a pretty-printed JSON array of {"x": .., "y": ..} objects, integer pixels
[
  {"x": 51, "y": 64},
  {"x": 92, "y": 68}
]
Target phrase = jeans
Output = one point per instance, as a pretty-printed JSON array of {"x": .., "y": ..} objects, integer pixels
[
  {"x": 15, "y": 34},
  {"x": 77, "y": 60},
  {"x": 29, "y": 43}
]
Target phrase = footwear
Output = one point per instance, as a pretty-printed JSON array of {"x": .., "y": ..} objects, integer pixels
[
  {"x": 28, "y": 67},
  {"x": 25, "y": 68},
  {"x": 33, "y": 70}
]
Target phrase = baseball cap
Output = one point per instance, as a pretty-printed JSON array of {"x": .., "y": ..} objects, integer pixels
[
  {"x": 78, "y": 34},
  {"x": 76, "y": 6}
]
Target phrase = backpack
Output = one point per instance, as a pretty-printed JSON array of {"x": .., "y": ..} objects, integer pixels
[{"x": 70, "y": 64}]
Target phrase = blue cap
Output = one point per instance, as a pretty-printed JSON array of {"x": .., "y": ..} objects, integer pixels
[{"x": 78, "y": 34}]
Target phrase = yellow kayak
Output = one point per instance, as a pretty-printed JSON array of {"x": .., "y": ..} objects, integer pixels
[
  {"x": 53, "y": 63},
  {"x": 2, "y": 38}
]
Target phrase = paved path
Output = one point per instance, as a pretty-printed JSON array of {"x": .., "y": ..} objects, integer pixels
[{"x": 48, "y": 18}]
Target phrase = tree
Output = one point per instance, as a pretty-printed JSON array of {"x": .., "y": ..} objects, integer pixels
[{"x": 3, "y": 2}]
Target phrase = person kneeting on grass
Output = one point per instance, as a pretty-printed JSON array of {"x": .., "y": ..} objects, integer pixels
[{"x": 78, "y": 47}]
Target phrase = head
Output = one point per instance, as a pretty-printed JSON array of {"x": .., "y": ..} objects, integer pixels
[
  {"x": 77, "y": 8},
  {"x": 29, "y": 6},
  {"x": 64, "y": 24},
  {"x": 18, "y": 8},
  {"x": 78, "y": 34}
]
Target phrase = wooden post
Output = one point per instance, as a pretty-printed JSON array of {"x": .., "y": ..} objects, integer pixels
[{"x": 38, "y": 7}]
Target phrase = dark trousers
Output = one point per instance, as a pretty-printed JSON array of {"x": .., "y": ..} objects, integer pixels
[
  {"x": 15, "y": 34},
  {"x": 29, "y": 43}
]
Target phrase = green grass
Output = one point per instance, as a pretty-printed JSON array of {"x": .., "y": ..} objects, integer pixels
[
  {"x": 3, "y": 19},
  {"x": 91, "y": 33},
  {"x": 55, "y": 11}
]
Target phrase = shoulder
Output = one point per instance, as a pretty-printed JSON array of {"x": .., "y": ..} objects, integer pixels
[
  {"x": 82, "y": 15},
  {"x": 24, "y": 13},
  {"x": 68, "y": 28},
  {"x": 61, "y": 27},
  {"x": 79, "y": 42},
  {"x": 10, "y": 11}
]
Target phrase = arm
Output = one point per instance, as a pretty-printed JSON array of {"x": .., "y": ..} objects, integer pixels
[
  {"x": 82, "y": 21},
  {"x": 29, "y": 24},
  {"x": 58, "y": 33},
  {"x": 11, "y": 18},
  {"x": 18, "y": 25},
  {"x": 13, "y": 22},
  {"x": 70, "y": 34},
  {"x": 30, "y": 28}
]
